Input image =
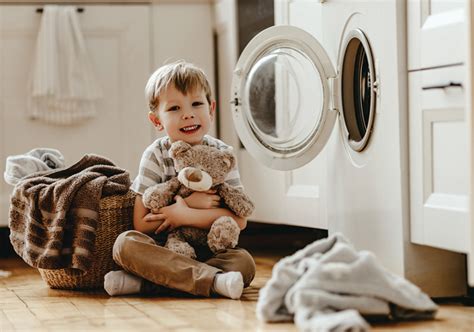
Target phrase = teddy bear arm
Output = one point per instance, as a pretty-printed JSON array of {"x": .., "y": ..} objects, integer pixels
[
  {"x": 236, "y": 200},
  {"x": 160, "y": 195},
  {"x": 224, "y": 234},
  {"x": 177, "y": 243}
]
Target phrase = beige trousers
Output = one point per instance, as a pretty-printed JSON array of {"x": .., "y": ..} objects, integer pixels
[{"x": 139, "y": 254}]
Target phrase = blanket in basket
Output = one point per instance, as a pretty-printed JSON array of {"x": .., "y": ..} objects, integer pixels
[{"x": 54, "y": 214}]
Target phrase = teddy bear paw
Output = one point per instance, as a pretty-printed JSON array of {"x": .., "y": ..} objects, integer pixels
[
  {"x": 224, "y": 234},
  {"x": 182, "y": 248}
]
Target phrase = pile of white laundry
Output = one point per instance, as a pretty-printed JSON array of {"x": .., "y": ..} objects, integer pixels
[
  {"x": 329, "y": 286},
  {"x": 37, "y": 160}
]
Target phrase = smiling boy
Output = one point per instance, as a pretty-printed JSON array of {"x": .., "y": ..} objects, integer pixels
[{"x": 181, "y": 105}]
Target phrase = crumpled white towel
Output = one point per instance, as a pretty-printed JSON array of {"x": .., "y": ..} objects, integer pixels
[
  {"x": 63, "y": 87},
  {"x": 325, "y": 286},
  {"x": 36, "y": 160}
]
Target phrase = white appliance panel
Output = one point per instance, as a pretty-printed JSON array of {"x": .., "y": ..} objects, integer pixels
[{"x": 365, "y": 189}]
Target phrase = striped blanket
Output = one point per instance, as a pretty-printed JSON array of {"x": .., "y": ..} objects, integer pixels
[{"x": 54, "y": 214}]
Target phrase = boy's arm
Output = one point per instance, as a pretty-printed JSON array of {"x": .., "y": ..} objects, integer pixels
[
  {"x": 143, "y": 220},
  {"x": 180, "y": 214}
]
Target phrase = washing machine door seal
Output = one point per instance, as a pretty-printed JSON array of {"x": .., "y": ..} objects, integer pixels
[{"x": 284, "y": 103}]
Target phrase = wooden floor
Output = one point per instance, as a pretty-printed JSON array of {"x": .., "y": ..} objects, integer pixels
[{"x": 27, "y": 304}]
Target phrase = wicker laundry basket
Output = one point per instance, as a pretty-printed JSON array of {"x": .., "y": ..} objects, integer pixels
[{"x": 115, "y": 217}]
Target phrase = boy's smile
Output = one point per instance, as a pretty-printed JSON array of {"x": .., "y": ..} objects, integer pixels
[
  {"x": 190, "y": 129},
  {"x": 187, "y": 117}
]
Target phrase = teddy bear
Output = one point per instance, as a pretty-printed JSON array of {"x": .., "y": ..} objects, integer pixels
[{"x": 201, "y": 168}]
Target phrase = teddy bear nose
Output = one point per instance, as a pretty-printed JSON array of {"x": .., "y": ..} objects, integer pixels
[{"x": 193, "y": 174}]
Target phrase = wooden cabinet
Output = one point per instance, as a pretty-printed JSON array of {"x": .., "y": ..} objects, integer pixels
[
  {"x": 117, "y": 38},
  {"x": 436, "y": 33},
  {"x": 440, "y": 131},
  {"x": 439, "y": 158},
  {"x": 125, "y": 43}
]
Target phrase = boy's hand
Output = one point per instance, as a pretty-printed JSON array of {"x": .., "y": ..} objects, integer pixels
[
  {"x": 203, "y": 200},
  {"x": 174, "y": 215},
  {"x": 152, "y": 217}
]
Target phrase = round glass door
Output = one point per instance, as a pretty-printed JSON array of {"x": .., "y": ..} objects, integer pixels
[
  {"x": 282, "y": 97},
  {"x": 358, "y": 88}
]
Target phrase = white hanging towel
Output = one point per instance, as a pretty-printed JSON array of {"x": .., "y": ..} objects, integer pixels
[{"x": 63, "y": 87}]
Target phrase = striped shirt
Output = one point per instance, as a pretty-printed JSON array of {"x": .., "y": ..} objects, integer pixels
[{"x": 156, "y": 165}]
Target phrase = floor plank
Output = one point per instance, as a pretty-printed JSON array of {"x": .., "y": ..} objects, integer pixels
[{"x": 27, "y": 304}]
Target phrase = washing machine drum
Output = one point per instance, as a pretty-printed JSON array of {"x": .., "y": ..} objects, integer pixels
[{"x": 287, "y": 95}]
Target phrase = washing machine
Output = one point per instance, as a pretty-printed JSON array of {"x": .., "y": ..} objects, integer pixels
[{"x": 340, "y": 90}]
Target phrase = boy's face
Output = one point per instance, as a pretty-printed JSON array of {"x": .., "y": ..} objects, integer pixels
[{"x": 184, "y": 117}]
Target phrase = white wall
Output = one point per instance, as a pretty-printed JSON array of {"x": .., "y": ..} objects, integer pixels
[{"x": 225, "y": 15}]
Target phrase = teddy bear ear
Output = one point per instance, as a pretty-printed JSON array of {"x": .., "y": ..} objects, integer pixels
[
  {"x": 229, "y": 158},
  {"x": 178, "y": 148}
]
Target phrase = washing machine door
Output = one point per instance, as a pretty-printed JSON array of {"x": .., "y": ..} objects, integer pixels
[{"x": 282, "y": 90}]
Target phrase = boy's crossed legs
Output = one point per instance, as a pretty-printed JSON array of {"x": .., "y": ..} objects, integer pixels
[{"x": 139, "y": 254}]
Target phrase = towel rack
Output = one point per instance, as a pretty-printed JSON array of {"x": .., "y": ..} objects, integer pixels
[{"x": 79, "y": 10}]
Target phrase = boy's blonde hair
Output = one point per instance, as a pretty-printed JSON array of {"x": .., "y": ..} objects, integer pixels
[{"x": 183, "y": 75}]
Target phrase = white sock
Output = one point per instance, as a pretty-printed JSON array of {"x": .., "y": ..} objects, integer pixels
[
  {"x": 121, "y": 283},
  {"x": 229, "y": 284}
]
